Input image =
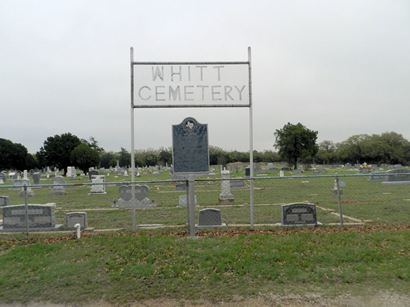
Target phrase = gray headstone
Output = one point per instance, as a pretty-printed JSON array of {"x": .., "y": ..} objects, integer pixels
[
  {"x": 141, "y": 197},
  {"x": 237, "y": 184},
  {"x": 190, "y": 147},
  {"x": 210, "y": 217},
  {"x": 180, "y": 186},
  {"x": 4, "y": 200},
  {"x": 299, "y": 214},
  {"x": 183, "y": 201},
  {"x": 92, "y": 173},
  {"x": 247, "y": 171},
  {"x": 73, "y": 218},
  {"x": 36, "y": 178},
  {"x": 398, "y": 175},
  {"x": 2, "y": 178},
  {"x": 58, "y": 185},
  {"x": 39, "y": 217}
]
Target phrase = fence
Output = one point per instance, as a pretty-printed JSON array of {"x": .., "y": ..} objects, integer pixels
[{"x": 339, "y": 199}]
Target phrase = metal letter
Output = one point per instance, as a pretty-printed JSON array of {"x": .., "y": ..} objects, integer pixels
[
  {"x": 140, "y": 90},
  {"x": 219, "y": 71},
  {"x": 176, "y": 73},
  {"x": 157, "y": 73}
]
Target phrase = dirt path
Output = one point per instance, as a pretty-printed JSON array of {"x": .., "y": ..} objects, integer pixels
[{"x": 388, "y": 299}]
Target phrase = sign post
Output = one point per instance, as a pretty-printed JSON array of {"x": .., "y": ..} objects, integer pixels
[{"x": 224, "y": 84}]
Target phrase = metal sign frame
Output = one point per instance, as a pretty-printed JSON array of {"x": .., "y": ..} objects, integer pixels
[{"x": 248, "y": 105}]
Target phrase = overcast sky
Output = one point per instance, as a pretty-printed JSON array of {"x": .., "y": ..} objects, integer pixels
[{"x": 338, "y": 67}]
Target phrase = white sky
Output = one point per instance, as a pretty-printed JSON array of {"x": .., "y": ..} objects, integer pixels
[{"x": 339, "y": 67}]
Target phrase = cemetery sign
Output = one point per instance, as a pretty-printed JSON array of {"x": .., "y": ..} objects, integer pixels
[{"x": 191, "y": 84}]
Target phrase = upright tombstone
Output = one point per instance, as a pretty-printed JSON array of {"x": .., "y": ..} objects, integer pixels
[
  {"x": 97, "y": 186},
  {"x": 210, "y": 217},
  {"x": 40, "y": 217},
  {"x": 4, "y": 200},
  {"x": 237, "y": 183},
  {"x": 25, "y": 188},
  {"x": 73, "y": 218},
  {"x": 58, "y": 187},
  {"x": 91, "y": 173},
  {"x": 69, "y": 172},
  {"x": 299, "y": 214},
  {"x": 182, "y": 201},
  {"x": 36, "y": 179},
  {"x": 141, "y": 200},
  {"x": 225, "y": 197},
  {"x": 2, "y": 178}
]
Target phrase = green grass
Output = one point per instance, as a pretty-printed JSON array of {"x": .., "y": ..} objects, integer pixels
[{"x": 123, "y": 267}]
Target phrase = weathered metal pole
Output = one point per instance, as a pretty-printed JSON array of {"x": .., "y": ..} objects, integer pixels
[
  {"x": 339, "y": 200},
  {"x": 133, "y": 213},
  {"x": 26, "y": 207},
  {"x": 191, "y": 206},
  {"x": 251, "y": 183}
]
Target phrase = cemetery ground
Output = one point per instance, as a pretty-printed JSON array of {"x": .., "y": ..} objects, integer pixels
[{"x": 369, "y": 255}]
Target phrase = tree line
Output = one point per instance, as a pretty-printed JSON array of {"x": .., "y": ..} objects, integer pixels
[{"x": 294, "y": 143}]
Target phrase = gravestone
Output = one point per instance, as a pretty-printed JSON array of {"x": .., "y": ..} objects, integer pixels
[
  {"x": 281, "y": 173},
  {"x": 36, "y": 179},
  {"x": 210, "y": 217},
  {"x": 2, "y": 178},
  {"x": 299, "y": 214},
  {"x": 190, "y": 147},
  {"x": 73, "y": 218},
  {"x": 58, "y": 187},
  {"x": 97, "y": 186},
  {"x": 4, "y": 200},
  {"x": 141, "y": 200},
  {"x": 182, "y": 203},
  {"x": 40, "y": 217},
  {"x": 237, "y": 184},
  {"x": 247, "y": 171},
  {"x": 17, "y": 183},
  {"x": 28, "y": 190},
  {"x": 71, "y": 172},
  {"x": 225, "y": 197},
  {"x": 180, "y": 186},
  {"x": 398, "y": 176},
  {"x": 92, "y": 173}
]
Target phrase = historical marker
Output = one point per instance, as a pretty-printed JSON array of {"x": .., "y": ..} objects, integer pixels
[{"x": 190, "y": 147}]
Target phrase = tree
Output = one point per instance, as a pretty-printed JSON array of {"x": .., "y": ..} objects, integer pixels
[
  {"x": 83, "y": 157},
  {"x": 124, "y": 158},
  {"x": 165, "y": 156},
  {"x": 57, "y": 149},
  {"x": 327, "y": 152},
  {"x": 12, "y": 155},
  {"x": 108, "y": 159},
  {"x": 296, "y": 142}
]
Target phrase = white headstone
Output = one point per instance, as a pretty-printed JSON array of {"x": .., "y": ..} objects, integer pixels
[
  {"x": 226, "y": 195},
  {"x": 281, "y": 173},
  {"x": 98, "y": 186}
]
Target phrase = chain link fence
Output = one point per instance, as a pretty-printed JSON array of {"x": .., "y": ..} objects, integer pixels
[{"x": 361, "y": 198}]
